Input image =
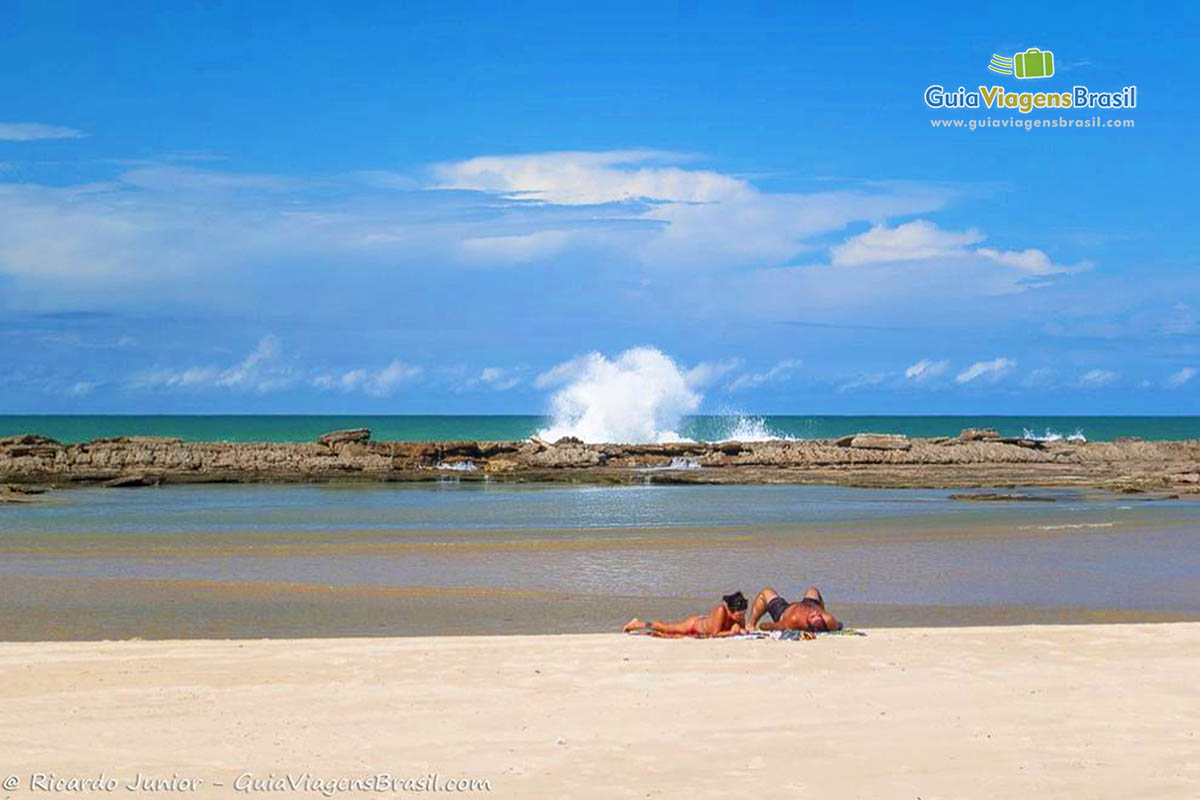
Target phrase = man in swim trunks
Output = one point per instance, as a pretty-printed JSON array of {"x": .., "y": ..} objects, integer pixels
[
  {"x": 807, "y": 615},
  {"x": 728, "y": 618}
]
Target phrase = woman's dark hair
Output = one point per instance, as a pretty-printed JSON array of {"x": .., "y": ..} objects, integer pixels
[{"x": 735, "y": 601}]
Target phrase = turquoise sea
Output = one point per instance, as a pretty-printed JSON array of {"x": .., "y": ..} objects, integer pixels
[{"x": 287, "y": 428}]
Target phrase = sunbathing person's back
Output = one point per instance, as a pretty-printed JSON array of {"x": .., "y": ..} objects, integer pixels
[{"x": 727, "y": 618}]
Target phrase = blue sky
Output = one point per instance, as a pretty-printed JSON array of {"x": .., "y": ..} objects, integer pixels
[{"x": 310, "y": 207}]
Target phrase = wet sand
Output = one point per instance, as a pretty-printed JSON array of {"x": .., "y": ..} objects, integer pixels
[
  {"x": 62, "y": 609},
  {"x": 1078, "y": 711}
]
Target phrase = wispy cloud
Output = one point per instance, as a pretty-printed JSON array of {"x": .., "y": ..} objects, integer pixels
[
  {"x": 1181, "y": 377},
  {"x": 753, "y": 380},
  {"x": 32, "y": 131},
  {"x": 1095, "y": 378},
  {"x": 261, "y": 371},
  {"x": 675, "y": 214},
  {"x": 863, "y": 381},
  {"x": 707, "y": 373},
  {"x": 1181, "y": 320},
  {"x": 988, "y": 370},
  {"x": 157, "y": 225},
  {"x": 373, "y": 382},
  {"x": 925, "y": 369},
  {"x": 588, "y": 178},
  {"x": 499, "y": 378},
  {"x": 1038, "y": 378}
]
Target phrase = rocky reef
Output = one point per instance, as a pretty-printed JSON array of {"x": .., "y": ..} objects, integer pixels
[{"x": 974, "y": 459}]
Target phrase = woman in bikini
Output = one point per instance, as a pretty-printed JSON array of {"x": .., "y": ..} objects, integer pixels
[
  {"x": 807, "y": 615},
  {"x": 728, "y": 618}
]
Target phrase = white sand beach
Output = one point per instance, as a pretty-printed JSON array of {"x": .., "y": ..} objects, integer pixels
[{"x": 1047, "y": 711}]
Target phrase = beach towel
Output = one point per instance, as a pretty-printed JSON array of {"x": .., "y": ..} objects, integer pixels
[{"x": 779, "y": 636}]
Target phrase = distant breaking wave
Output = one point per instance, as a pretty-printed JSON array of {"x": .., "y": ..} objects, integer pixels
[
  {"x": 644, "y": 396},
  {"x": 743, "y": 428},
  {"x": 1054, "y": 436},
  {"x": 640, "y": 396}
]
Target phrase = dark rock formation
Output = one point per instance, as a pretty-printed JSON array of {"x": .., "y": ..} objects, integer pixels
[
  {"x": 992, "y": 497},
  {"x": 876, "y": 441},
  {"x": 345, "y": 437},
  {"x": 138, "y": 440},
  {"x": 879, "y": 460}
]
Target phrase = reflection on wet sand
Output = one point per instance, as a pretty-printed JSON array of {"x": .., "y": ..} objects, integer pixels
[{"x": 35, "y": 609}]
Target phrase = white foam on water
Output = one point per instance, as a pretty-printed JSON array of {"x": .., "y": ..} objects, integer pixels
[
  {"x": 752, "y": 429},
  {"x": 677, "y": 463},
  {"x": 1067, "y": 526},
  {"x": 640, "y": 396},
  {"x": 1054, "y": 436},
  {"x": 457, "y": 466}
]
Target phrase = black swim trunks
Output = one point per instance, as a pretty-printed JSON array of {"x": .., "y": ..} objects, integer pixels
[{"x": 776, "y": 607}]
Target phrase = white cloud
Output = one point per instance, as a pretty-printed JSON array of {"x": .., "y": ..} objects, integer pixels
[
  {"x": 1041, "y": 377},
  {"x": 158, "y": 226},
  {"x": 587, "y": 178},
  {"x": 707, "y": 373},
  {"x": 912, "y": 241},
  {"x": 1095, "y": 378},
  {"x": 989, "y": 370},
  {"x": 32, "y": 131},
  {"x": 257, "y": 370},
  {"x": 374, "y": 382},
  {"x": 863, "y": 381},
  {"x": 753, "y": 380},
  {"x": 674, "y": 216},
  {"x": 517, "y": 249},
  {"x": 174, "y": 179},
  {"x": 261, "y": 371},
  {"x": 1181, "y": 377},
  {"x": 563, "y": 373},
  {"x": 922, "y": 240},
  {"x": 498, "y": 378},
  {"x": 926, "y": 369},
  {"x": 206, "y": 239},
  {"x": 1031, "y": 261}
]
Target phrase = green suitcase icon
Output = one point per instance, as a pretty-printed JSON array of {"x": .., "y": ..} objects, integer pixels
[{"x": 1034, "y": 63}]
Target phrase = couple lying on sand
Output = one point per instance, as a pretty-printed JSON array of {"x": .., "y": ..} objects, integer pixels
[{"x": 729, "y": 617}]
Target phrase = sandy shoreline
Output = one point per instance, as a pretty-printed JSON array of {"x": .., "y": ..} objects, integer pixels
[{"x": 1095, "y": 711}]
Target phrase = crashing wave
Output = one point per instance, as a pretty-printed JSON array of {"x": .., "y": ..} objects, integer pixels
[
  {"x": 752, "y": 429},
  {"x": 640, "y": 396},
  {"x": 1053, "y": 436}
]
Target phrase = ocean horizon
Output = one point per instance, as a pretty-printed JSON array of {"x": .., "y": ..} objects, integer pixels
[{"x": 74, "y": 428}]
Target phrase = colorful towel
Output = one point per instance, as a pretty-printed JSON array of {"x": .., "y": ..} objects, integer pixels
[{"x": 781, "y": 636}]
